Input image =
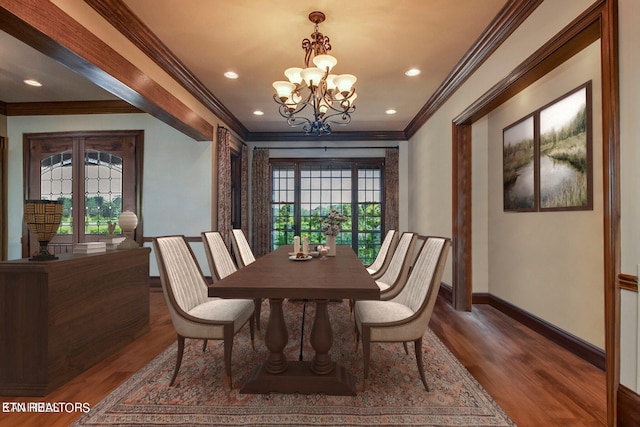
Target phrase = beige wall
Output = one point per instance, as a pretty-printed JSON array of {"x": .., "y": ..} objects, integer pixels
[{"x": 550, "y": 263}]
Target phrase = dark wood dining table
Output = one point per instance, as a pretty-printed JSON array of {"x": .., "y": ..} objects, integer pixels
[{"x": 276, "y": 277}]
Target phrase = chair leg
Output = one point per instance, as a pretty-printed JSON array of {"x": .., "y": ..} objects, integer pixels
[
  {"x": 204, "y": 345},
  {"x": 366, "y": 356},
  {"x": 179, "y": 358},
  {"x": 228, "y": 347},
  {"x": 418, "y": 346},
  {"x": 406, "y": 348}
]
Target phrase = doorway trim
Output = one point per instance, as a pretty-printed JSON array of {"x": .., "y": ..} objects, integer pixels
[{"x": 600, "y": 21}]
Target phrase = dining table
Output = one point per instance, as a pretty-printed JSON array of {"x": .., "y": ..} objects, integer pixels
[{"x": 279, "y": 275}]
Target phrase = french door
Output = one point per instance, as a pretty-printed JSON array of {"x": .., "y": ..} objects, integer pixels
[{"x": 96, "y": 174}]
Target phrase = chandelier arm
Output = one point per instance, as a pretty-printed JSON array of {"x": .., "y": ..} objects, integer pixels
[{"x": 345, "y": 118}]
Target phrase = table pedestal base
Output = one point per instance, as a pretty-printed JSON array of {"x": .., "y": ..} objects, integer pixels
[{"x": 298, "y": 378}]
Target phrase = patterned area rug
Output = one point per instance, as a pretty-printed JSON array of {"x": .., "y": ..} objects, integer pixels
[{"x": 395, "y": 395}]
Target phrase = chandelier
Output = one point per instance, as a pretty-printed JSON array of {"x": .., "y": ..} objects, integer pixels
[{"x": 326, "y": 98}]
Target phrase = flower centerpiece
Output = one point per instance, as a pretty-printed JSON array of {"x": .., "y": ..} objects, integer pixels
[{"x": 331, "y": 226}]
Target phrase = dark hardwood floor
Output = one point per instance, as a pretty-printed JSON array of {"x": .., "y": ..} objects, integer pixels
[{"x": 536, "y": 382}]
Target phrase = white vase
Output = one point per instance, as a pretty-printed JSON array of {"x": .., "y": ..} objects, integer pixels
[
  {"x": 128, "y": 222},
  {"x": 331, "y": 242}
]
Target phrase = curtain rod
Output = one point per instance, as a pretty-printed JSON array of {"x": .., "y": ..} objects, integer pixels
[{"x": 325, "y": 148}]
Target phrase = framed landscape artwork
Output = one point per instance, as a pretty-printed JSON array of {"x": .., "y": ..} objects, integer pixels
[
  {"x": 547, "y": 159},
  {"x": 519, "y": 166}
]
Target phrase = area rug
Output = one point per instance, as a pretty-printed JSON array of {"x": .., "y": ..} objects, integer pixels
[{"x": 395, "y": 396}]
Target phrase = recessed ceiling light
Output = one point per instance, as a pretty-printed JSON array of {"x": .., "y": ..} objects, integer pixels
[
  {"x": 391, "y": 111},
  {"x": 231, "y": 75},
  {"x": 32, "y": 82},
  {"x": 412, "y": 72},
  {"x": 258, "y": 113}
]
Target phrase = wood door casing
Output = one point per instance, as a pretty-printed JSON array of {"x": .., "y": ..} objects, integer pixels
[{"x": 75, "y": 145}]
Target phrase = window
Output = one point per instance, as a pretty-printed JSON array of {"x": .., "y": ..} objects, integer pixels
[
  {"x": 103, "y": 168},
  {"x": 303, "y": 192}
]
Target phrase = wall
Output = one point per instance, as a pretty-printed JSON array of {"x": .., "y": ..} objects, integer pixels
[
  {"x": 629, "y": 53},
  {"x": 550, "y": 263},
  {"x": 430, "y": 159},
  {"x": 176, "y": 182}
]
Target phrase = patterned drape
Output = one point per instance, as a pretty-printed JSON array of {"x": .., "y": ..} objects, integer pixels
[
  {"x": 224, "y": 183},
  {"x": 244, "y": 188},
  {"x": 392, "y": 188},
  {"x": 261, "y": 200}
]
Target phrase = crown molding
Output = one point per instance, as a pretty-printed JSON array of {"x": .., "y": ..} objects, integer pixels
[
  {"x": 335, "y": 136},
  {"x": 127, "y": 23},
  {"x": 503, "y": 25}
]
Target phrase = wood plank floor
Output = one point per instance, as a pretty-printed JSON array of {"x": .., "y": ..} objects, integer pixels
[{"x": 536, "y": 382}]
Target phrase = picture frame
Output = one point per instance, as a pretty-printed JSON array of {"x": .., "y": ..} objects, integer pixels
[
  {"x": 547, "y": 156},
  {"x": 519, "y": 166},
  {"x": 565, "y": 153}
]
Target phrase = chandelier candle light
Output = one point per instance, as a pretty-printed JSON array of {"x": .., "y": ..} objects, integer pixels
[{"x": 329, "y": 97}]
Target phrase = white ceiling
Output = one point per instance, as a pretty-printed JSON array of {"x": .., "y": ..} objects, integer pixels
[{"x": 376, "y": 40}]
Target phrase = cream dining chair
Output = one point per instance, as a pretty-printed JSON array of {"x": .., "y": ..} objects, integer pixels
[
  {"x": 241, "y": 249},
  {"x": 396, "y": 272},
  {"x": 406, "y": 317},
  {"x": 379, "y": 265},
  {"x": 221, "y": 264},
  {"x": 194, "y": 314},
  {"x": 394, "y": 277}
]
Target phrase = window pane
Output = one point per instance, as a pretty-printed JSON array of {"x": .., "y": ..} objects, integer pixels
[
  {"x": 103, "y": 190},
  {"x": 326, "y": 186},
  {"x": 56, "y": 184}
]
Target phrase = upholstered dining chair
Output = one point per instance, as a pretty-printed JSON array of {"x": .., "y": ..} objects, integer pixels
[
  {"x": 379, "y": 265},
  {"x": 194, "y": 314},
  {"x": 396, "y": 272},
  {"x": 406, "y": 317},
  {"x": 241, "y": 249},
  {"x": 395, "y": 276},
  {"x": 221, "y": 264}
]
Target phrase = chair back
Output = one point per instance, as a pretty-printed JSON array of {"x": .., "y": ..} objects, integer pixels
[
  {"x": 183, "y": 283},
  {"x": 386, "y": 250},
  {"x": 421, "y": 290},
  {"x": 220, "y": 262},
  {"x": 241, "y": 249},
  {"x": 400, "y": 262}
]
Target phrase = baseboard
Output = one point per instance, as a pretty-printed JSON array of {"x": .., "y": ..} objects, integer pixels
[
  {"x": 628, "y": 407},
  {"x": 577, "y": 346}
]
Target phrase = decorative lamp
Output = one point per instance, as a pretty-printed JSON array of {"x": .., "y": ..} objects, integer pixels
[
  {"x": 128, "y": 222},
  {"x": 329, "y": 97},
  {"x": 43, "y": 219}
]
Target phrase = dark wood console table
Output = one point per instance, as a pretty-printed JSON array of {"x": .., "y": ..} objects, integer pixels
[{"x": 61, "y": 317}]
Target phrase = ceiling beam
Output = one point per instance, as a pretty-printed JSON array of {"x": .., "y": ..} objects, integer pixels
[{"x": 46, "y": 28}]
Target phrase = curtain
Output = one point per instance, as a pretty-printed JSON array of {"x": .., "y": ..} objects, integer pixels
[
  {"x": 261, "y": 201},
  {"x": 392, "y": 188},
  {"x": 244, "y": 188},
  {"x": 224, "y": 184}
]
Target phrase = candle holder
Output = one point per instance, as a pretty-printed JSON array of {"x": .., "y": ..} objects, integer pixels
[{"x": 43, "y": 219}]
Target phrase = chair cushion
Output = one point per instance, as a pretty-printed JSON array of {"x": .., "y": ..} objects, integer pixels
[
  {"x": 371, "y": 270},
  {"x": 224, "y": 310},
  {"x": 381, "y": 311}
]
